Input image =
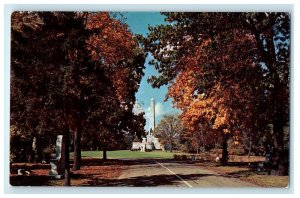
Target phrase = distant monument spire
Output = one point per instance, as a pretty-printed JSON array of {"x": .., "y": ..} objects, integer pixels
[
  {"x": 150, "y": 142},
  {"x": 152, "y": 114}
]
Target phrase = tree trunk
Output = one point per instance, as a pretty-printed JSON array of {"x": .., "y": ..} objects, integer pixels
[
  {"x": 250, "y": 148},
  {"x": 39, "y": 150},
  {"x": 77, "y": 147},
  {"x": 203, "y": 140},
  {"x": 224, "y": 150},
  {"x": 279, "y": 159},
  {"x": 104, "y": 153},
  {"x": 67, "y": 180},
  {"x": 31, "y": 154}
]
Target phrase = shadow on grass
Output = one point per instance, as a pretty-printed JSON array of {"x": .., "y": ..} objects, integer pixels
[
  {"x": 239, "y": 164},
  {"x": 247, "y": 173},
  {"x": 242, "y": 173}
]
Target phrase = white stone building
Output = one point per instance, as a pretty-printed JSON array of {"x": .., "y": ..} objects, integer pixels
[{"x": 150, "y": 142}]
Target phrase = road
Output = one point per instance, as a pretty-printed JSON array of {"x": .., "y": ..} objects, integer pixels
[{"x": 166, "y": 173}]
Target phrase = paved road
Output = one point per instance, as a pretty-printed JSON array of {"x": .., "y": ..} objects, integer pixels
[{"x": 174, "y": 174}]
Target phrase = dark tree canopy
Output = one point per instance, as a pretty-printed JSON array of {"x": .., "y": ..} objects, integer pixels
[{"x": 73, "y": 72}]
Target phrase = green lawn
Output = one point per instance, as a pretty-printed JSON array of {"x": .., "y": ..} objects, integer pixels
[{"x": 121, "y": 154}]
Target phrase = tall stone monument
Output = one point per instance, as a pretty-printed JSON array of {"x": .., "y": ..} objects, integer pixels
[
  {"x": 152, "y": 115},
  {"x": 57, "y": 161},
  {"x": 150, "y": 142}
]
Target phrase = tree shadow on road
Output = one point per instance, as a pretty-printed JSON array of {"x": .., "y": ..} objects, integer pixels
[{"x": 146, "y": 181}]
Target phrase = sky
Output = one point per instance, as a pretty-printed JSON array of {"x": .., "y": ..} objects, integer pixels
[{"x": 138, "y": 23}]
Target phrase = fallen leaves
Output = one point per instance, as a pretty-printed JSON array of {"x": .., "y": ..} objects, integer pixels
[{"x": 89, "y": 175}]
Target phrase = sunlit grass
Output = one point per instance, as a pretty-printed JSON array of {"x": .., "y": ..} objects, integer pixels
[{"x": 127, "y": 154}]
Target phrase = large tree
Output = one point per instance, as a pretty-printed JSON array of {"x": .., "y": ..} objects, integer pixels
[
  {"x": 169, "y": 131},
  {"x": 41, "y": 43},
  {"x": 230, "y": 70},
  {"x": 70, "y": 69},
  {"x": 116, "y": 51}
]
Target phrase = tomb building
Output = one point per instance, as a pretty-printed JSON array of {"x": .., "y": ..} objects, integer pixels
[{"x": 150, "y": 142}]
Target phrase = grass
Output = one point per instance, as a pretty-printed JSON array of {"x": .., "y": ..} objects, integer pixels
[
  {"x": 269, "y": 181},
  {"x": 126, "y": 154},
  {"x": 249, "y": 174}
]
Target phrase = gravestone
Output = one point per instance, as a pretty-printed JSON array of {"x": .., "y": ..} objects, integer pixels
[
  {"x": 136, "y": 146},
  {"x": 142, "y": 148},
  {"x": 143, "y": 145},
  {"x": 57, "y": 161},
  {"x": 149, "y": 146}
]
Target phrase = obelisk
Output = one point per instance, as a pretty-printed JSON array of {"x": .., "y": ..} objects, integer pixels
[{"x": 152, "y": 114}]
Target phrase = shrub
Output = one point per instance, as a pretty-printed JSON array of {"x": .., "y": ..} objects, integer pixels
[
  {"x": 239, "y": 151},
  {"x": 47, "y": 153},
  {"x": 183, "y": 157},
  {"x": 175, "y": 156},
  {"x": 12, "y": 157}
]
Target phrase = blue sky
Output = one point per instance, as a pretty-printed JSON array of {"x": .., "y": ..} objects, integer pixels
[{"x": 138, "y": 23}]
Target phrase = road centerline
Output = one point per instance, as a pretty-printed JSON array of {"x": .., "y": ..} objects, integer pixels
[{"x": 189, "y": 185}]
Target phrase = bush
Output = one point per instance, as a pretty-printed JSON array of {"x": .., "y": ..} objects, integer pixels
[
  {"x": 12, "y": 157},
  {"x": 20, "y": 145},
  {"x": 180, "y": 157},
  {"x": 183, "y": 157},
  {"x": 175, "y": 157},
  {"x": 47, "y": 153},
  {"x": 235, "y": 149},
  {"x": 216, "y": 151},
  {"x": 239, "y": 151},
  {"x": 183, "y": 148}
]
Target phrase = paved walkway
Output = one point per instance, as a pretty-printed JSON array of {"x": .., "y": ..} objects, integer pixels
[{"x": 164, "y": 173}]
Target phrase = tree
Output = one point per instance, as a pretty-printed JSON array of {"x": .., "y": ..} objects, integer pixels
[
  {"x": 28, "y": 92},
  {"x": 61, "y": 83},
  {"x": 46, "y": 91},
  {"x": 224, "y": 68},
  {"x": 169, "y": 130},
  {"x": 115, "y": 51}
]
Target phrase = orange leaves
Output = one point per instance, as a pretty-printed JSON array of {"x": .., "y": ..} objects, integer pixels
[
  {"x": 236, "y": 140},
  {"x": 215, "y": 74},
  {"x": 112, "y": 42},
  {"x": 119, "y": 78},
  {"x": 112, "y": 47},
  {"x": 182, "y": 90},
  {"x": 215, "y": 104},
  {"x": 97, "y": 20},
  {"x": 222, "y": 118},
  {"x": 226, "y": 131}
]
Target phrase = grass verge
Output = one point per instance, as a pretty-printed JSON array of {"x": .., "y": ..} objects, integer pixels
[
  {"x": 249, "y": 174},
  {"x": 127, "y": 154}
]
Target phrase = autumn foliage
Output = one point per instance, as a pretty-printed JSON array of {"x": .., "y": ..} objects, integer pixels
[
  {"x": 225, "y": 72},
  {"x": 73, "y": 73}
]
